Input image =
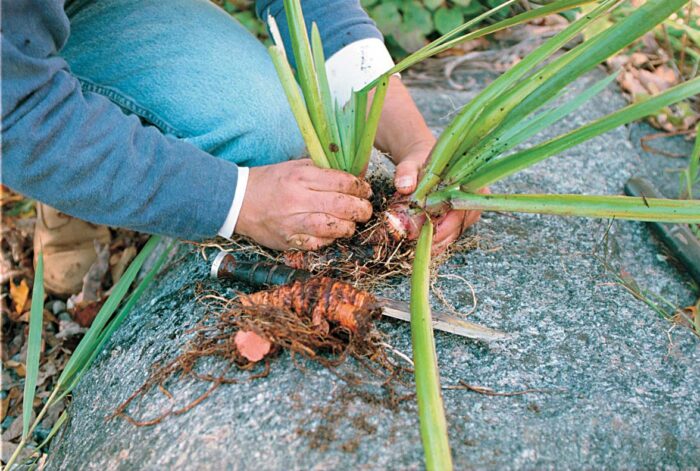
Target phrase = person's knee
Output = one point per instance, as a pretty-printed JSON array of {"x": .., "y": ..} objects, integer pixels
[
  {"x": 277, "y": 132},
  {"x": 264, "y": 134},
  {"x": 222, "y": 94}
]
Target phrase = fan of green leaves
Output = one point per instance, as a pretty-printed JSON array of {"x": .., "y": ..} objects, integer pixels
[
  {"x": 338, "y": 136},
  {"x": 477, "y": 148},
  {"x": 474, "y": 150},
  {"x": 406, "y": 24},
  {"x": 341, "y": 135}
]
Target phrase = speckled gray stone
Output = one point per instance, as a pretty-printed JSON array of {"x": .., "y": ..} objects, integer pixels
[{"x": 620, "y": 384}]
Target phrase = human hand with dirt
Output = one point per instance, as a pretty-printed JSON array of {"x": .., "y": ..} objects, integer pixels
[
  {"x": 295, "y": 204},
  {"x": 404, "y": 135}
]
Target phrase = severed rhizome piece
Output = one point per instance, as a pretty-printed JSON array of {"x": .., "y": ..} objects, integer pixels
[{"x": 320, "y": 318}]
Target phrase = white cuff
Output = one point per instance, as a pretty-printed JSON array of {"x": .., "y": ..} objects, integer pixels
[
  {"x": 230, "y": 222},
  {"x": 356, "y": 65}
]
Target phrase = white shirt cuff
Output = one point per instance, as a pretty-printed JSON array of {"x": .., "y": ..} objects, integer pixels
[
  {"x": 356, "y": 65},
  {"x": 232, "y": 217}
]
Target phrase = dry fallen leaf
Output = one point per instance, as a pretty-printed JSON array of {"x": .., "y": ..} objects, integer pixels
[
  {"x": 662, "y": 78},
  {"x": 120, "y": 261},
  {"x": 92, "y": 281},
  {"x": 640, "y": 79},
  {"x": 47, "y": 370},
  {"x": 638, "y": 59},
  {"x": 21, "y": 370},
  {"x": 68, "y": 329},
  {"x": 629, "y": 82},
  {"x": 15, "y": 429},
  {"x": 651, "y": 69},
  {"x": 85, "y": 312},
  {"x": 19, "y": 294},
  {"x": 642, "y": 82},
  {"x": 14, "y": 396},
  {"x": 17, "y": 366},
  {"x": 4, "y": 404},
  {"x": 8, "y": 381}
]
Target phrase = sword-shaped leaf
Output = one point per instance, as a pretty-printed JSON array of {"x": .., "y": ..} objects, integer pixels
[
  {"x": 36, "y": 319},
  {"x": 617, "y": 207},
  {"x": 306, "y": 71},
  {"x": 499, "y": 143},
  {"x": 117, "y": 321},
  {"x": 54, "y": 429},
  {"x": 296, "y": 103},
  {"x": 345, "y": 119},
  {"x": 334, "y": 152},
  {"x": 431, "y": 411},
  {"x": 501, "y": 168},
  {"x": 87, "y": 345},
  {"x": 457, "y": 132},
  {"x": 360, "y": 117},
  {"x": 692, "y": 173},
  {"x": 451, "y": 39},
  {"x": 364, "y": 149},
  {"x": 92, "y": 341},
  {"x": 544, "y": 84}
]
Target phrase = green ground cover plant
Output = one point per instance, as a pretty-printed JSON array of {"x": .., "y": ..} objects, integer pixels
[{"x": 406, "y": 24}]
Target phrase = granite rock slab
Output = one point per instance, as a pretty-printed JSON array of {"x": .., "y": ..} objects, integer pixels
[{"x": 616, "y": 386}]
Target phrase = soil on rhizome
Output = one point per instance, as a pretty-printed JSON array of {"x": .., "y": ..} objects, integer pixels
[{"x": 379, "y": 375}]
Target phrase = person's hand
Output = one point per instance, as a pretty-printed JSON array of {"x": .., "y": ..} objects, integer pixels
[
  {"x": 449, "y": 226},
  {"x": 298, "y": 205}
]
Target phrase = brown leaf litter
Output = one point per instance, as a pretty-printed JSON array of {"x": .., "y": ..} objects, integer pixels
[
  {"x": 59, "y": 336},
  {"x": 651, "y": 69}
]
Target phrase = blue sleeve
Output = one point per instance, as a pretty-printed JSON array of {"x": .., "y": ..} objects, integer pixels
[
  {"x": 340, "y": 22},
  {"x": 79, "y": 153}
]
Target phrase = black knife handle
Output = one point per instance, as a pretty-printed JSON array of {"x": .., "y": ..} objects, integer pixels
[
  {"x": 680, "y": 240},
  {"x": 256, "y": 274}
]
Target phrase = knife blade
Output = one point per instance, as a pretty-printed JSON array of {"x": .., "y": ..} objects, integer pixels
[
  {"x": 442, "y": 321},
  {"x": 263, "y": 274}
]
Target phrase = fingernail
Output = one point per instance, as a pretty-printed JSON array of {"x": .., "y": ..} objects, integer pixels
[{"x": 404, "y": 182}]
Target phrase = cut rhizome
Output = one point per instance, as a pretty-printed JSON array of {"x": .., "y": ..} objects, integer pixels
[
  {"x": 320, "y": 319},
  {"x": 325, "y": 319}
]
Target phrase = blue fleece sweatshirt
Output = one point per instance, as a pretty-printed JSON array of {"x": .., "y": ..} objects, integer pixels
[{"x": 79, "y": 153}]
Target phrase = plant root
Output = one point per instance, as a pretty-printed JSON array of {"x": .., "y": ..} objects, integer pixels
[
  {"x": 369, "y": 259},
  {"x": 324, "y": 299},
  {"x": 322, "y": 320}
]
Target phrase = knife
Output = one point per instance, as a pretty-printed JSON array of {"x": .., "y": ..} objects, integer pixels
[
  {"x": 680, "y": 240},
  {"x": 263, "y": 274}
]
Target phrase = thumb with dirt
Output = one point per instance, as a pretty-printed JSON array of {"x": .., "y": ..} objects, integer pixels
[
  {"x": 448, "y": 226},
  {"x": 406, "y": 176}
]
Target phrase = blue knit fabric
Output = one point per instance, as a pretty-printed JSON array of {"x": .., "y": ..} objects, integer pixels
[{"x": 339, "y": 22}]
